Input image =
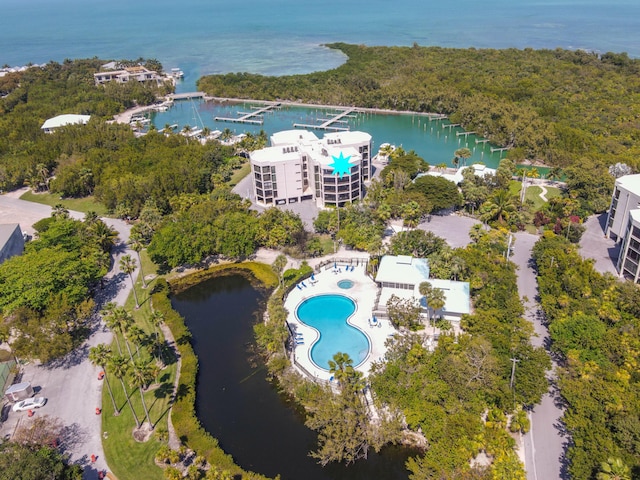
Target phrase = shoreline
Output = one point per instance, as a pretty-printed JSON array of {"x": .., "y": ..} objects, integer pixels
[{"x": 125, "y": 117}]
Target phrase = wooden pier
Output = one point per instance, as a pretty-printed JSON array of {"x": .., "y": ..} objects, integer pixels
[
  {"x": 466, "y": 134},
  {"x": 327, "y": 124},
  {"x": 499, "y": 149},
  {"x": 481, "y": 140},
  {"x": 254, "y": 118},
  {"x": 451, "y": 125}
]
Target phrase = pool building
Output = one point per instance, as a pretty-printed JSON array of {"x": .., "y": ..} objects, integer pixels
[
  {"x": 342, "y": 309},
  {"x": 401, "y": 275},
  {"x": 298, "y": 166}
]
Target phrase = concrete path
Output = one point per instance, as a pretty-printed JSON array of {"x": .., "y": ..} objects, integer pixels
[
  {"x": 545, "y": 444},
  {"x": 71, "y": 384}
]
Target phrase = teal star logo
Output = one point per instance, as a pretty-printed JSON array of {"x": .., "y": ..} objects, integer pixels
[{"x": 340, "y": 165}]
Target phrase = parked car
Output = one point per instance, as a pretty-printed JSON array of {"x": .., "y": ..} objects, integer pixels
[{"x": 29, "y": 403}]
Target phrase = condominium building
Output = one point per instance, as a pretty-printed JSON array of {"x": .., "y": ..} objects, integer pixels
[
  {"x": 299, "y": 166},
  {"x": 623, "y": 224}
]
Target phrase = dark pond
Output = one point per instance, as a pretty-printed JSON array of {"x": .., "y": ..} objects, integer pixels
[{"x": 240, "y": 407}]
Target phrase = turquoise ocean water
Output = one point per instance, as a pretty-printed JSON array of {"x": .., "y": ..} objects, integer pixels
[{"x": 280, "y": 37}]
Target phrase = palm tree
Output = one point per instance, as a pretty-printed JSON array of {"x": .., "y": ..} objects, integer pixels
[
  {"x": 436, "y": 300},
  {"x": 500, "y": 205},
  {"x": 434, "y": 297},
  {"x": 104, "y": 235},
  {"x": 137, "y": 336},
  {"x": 140, "y": 376},
  {"x": 119, "y": 365},
  {"x": 109, "y": 315},
  {"x": 128, "y": 266},
  {"x": 43, "y": 172},
  {"x": 156, "y": 319},
  {"x": 555, "y": 173},
  {"x": 341, "y": 367},
  {"x": 136, "y": 245},
  {"x": 99, "y": 356},
  {"x": 614, "y": 469},
  {"x": 463, "y": 153},
  {"x": 60, "y": 211}
]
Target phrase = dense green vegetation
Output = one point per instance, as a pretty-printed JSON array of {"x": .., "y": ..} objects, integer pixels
[
  {"x": 445, "y": 393},
  {"x": 34, "y": 462},
  {"x": 28, "y": 98},
  {"x": 594, "y": 323},
  {"x": 571, "y": 109},
  {"x": 45, "y": 294}
]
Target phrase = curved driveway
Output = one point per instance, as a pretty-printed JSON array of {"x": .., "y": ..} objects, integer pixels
[{"x": 71, "y": 384}]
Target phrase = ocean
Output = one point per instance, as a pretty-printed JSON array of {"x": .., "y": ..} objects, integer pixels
[{"x": 280, "y": 37}]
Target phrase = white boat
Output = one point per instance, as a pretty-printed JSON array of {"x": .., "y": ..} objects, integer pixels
[{"x": 177, "y": 73}]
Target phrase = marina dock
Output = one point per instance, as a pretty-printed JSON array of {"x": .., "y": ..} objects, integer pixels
[
  {"x": 186, "y": 96},
  {"x": 254, "y": 118},
  {"x": 328, "y": 123}
]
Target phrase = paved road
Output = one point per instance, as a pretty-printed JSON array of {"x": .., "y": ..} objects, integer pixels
[
  {"x": 71, "y": 385},
  {"x": 545, "y": 444}
]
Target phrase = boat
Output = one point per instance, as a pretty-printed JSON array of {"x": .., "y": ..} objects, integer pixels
[{"x": 177, "y": 73}]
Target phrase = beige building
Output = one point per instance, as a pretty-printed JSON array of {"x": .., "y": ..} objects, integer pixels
[
  {"x": 299, "y": 166},
  {"x": 623, "y": 224},
  {"x": 128, "y": 74}
]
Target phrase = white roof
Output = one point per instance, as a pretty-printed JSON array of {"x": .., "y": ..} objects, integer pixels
[
  {"x": 348, "y": 137},
  {"x": 635, "y": 215},
  {"x": 347, "y": 152},
  {"x": 287, "y": 137},
  {"x": 457, "y": 297},
  {"x": 275, "y": 154},
  {"x": 6, "y": 230},
  {"x": 630, "y": 183},
  {"x": 403, "y": 269},
  {"x": 67, "y": 119}
]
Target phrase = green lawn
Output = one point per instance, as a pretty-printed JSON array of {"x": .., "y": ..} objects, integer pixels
[
  {"x": 128, "y": 458},
  {"x": 533, "y": 193},
  {"x": 84, "y": 205},
  {"x": 239, "y": 174}
]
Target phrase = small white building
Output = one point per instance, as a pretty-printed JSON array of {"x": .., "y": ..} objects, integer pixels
[
  {"x": 299, "y": 166},
  {"x": 402, "y": 275},
  {"x": 623, "y": 224},
  {"x": 50, "y": 125}
]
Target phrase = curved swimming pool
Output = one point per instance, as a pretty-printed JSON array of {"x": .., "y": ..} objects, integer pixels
[{"x": 328, "y": 314}]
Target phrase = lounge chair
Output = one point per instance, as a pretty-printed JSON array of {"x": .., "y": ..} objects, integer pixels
[
  {"x": 299, "y": 287},
  {"x": 303, "y": 284}
]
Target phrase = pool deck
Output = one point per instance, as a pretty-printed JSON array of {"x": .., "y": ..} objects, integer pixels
[{"x": 363, "y": 292}]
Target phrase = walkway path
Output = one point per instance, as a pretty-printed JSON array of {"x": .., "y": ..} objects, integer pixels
[
  {"x": 543, "y": 193},
  {"x": 545, "y": 444},
  {"x": 71, "y": 384}
]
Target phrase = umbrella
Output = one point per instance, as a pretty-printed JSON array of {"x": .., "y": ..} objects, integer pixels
[{"x": 312, "y": 277}]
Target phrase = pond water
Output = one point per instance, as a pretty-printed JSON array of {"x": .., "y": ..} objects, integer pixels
[{"x": 236, "y": 403}]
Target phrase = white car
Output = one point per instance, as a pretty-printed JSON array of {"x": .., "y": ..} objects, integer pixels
[{"x": 29, "y": 404}]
